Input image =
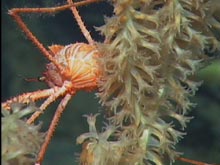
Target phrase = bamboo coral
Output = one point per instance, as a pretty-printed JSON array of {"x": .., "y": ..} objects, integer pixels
[{"x": 152, "y": 51}]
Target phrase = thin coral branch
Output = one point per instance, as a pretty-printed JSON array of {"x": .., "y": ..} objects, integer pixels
[{"x": 194, "y": 162}]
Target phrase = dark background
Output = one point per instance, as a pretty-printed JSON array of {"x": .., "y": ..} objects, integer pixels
[{"x": 21, "y": 59}]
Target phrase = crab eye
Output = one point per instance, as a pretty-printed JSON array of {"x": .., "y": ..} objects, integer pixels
[{"x": 42, "y": 78}]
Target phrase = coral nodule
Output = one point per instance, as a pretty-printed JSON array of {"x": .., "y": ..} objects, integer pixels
[
  {"x": 152, "y": 50},
  {"x": 20, "y": 141}
]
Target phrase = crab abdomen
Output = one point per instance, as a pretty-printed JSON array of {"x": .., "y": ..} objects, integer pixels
[{"x": 79, "y": 63}]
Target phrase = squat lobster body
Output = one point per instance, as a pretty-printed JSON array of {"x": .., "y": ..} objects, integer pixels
[
  {"x": 71, "y": 68},
  {"x": 79, "y": 67},
  {"x": 80, "y": 71}
]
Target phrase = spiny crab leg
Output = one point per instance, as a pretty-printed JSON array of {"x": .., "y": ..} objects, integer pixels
[
  {"x": 60, "y": 91},
  {"x": 52, "y": 127},
  {"x": 52, "y": 94},
  {"x": 28, "y": 97},
  {"x": 85, "y": 32}
]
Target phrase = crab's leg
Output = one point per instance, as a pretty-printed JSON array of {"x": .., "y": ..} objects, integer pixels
[
  {"x": 52, "y": 127},
  {"x": 80, "y": 22},
  {"x": 58, "y": 92},
  {"x": 28, "y": 97}
]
